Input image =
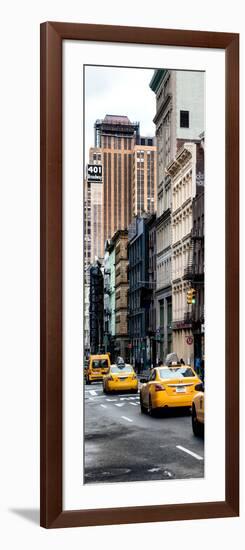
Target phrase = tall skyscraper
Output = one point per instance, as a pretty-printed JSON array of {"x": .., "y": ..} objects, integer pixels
[
  {"x": 144, "y": 177},
  {"x": 128, "y": 184},
  {"x": 116, "y": 137},
  {"x": 93, "y": 211}
]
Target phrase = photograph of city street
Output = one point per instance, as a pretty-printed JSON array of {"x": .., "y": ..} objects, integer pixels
[{"x": 143, "y": 274}]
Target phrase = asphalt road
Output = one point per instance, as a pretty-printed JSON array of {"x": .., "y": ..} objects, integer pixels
[{"x": 122, "y": 444}]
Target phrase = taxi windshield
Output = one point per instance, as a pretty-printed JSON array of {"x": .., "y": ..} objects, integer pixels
[
  {"x": 100, "y": 364},
  {"x": 177, "y": 372}
]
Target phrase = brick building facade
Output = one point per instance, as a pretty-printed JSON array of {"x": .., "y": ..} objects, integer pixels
[{"x": 120, "y": 242}]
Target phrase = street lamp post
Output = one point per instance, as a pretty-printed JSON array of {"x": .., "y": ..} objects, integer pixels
[{"x": 91, "y": 313}]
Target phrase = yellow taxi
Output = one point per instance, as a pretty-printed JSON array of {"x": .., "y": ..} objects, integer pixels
[
  {"x": 198, "y": 410},
  {"x": 97, "y": 366},
  {"x": 168, "y": 386},
  {"x": 120, "y": 377}
]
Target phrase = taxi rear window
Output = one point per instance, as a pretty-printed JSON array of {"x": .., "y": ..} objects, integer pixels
[
  {"x": 100, "y": 364},
  {"x": 124, "y": 368},
  {"x": 178, "y": 372}
]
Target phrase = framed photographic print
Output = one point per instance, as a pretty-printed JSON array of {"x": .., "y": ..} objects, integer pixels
[{"x": 139, "y": 275}]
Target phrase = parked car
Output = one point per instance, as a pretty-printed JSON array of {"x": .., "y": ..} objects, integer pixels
[
  {"x": 198, "y": 410},
  {"x": 120, "y": 377},
  {"x": 97, "y": 367},
  {"x": 168, "y": 387}
]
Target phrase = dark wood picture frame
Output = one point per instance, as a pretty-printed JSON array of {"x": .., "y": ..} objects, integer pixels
[{"x": 52, "y": 35}]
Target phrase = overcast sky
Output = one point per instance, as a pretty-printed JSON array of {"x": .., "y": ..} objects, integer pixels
[{"x": 118, "y": 91}]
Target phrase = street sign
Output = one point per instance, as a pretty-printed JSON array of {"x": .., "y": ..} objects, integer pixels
[
  {"x": 189, "y": 340},
  {"x": 94, "y": 173}
]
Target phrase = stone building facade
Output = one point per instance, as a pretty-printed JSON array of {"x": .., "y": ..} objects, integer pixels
[
  {"x": 182, "y": 171},
  {"x": 179, "y": 116}
]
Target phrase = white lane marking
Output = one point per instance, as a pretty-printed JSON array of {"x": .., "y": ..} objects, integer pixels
[
  {"x": 93, "y": 392},
  {"x": 126, "y": 418},
  {"x": 102, "y": 396},
  {"x": 198, "y": 457},
  {"x": 104, "y": 406},
  {"x": 134, "y": 404},
  {"x": 95, "y": 396},
  {"x": 127, "y": 398},
  {"x": 119, "y": 404},
  {"x": 111, "y": 400},
  {"x": 124, "y": 398}
]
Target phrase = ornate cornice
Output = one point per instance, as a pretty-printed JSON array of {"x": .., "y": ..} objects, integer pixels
[
  {"x": 164, "y": 216},
  {"x": 162, "y": 108},
  {"x": 157, "y": 79},
  {"x": 182, "y": 157}
]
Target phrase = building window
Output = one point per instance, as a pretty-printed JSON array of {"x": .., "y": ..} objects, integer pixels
[{"x": 184, "y": 119}]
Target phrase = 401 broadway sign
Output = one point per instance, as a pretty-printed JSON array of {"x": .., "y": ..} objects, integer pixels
[{"x": 94, "y": 173}]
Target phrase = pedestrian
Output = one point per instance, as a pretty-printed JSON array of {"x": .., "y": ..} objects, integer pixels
[
  {"x": 202, "y": 370},
  {"x": 160, "y": 363},
  {"x": 198, "y": 365}
]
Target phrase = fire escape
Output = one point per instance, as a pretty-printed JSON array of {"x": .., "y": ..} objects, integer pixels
[{"x": 195, "y": 275}]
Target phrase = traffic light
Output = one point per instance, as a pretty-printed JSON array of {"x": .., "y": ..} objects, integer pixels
[
  {"x": 193, "y": 301},
  {"x": 191, "y": 296}
]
